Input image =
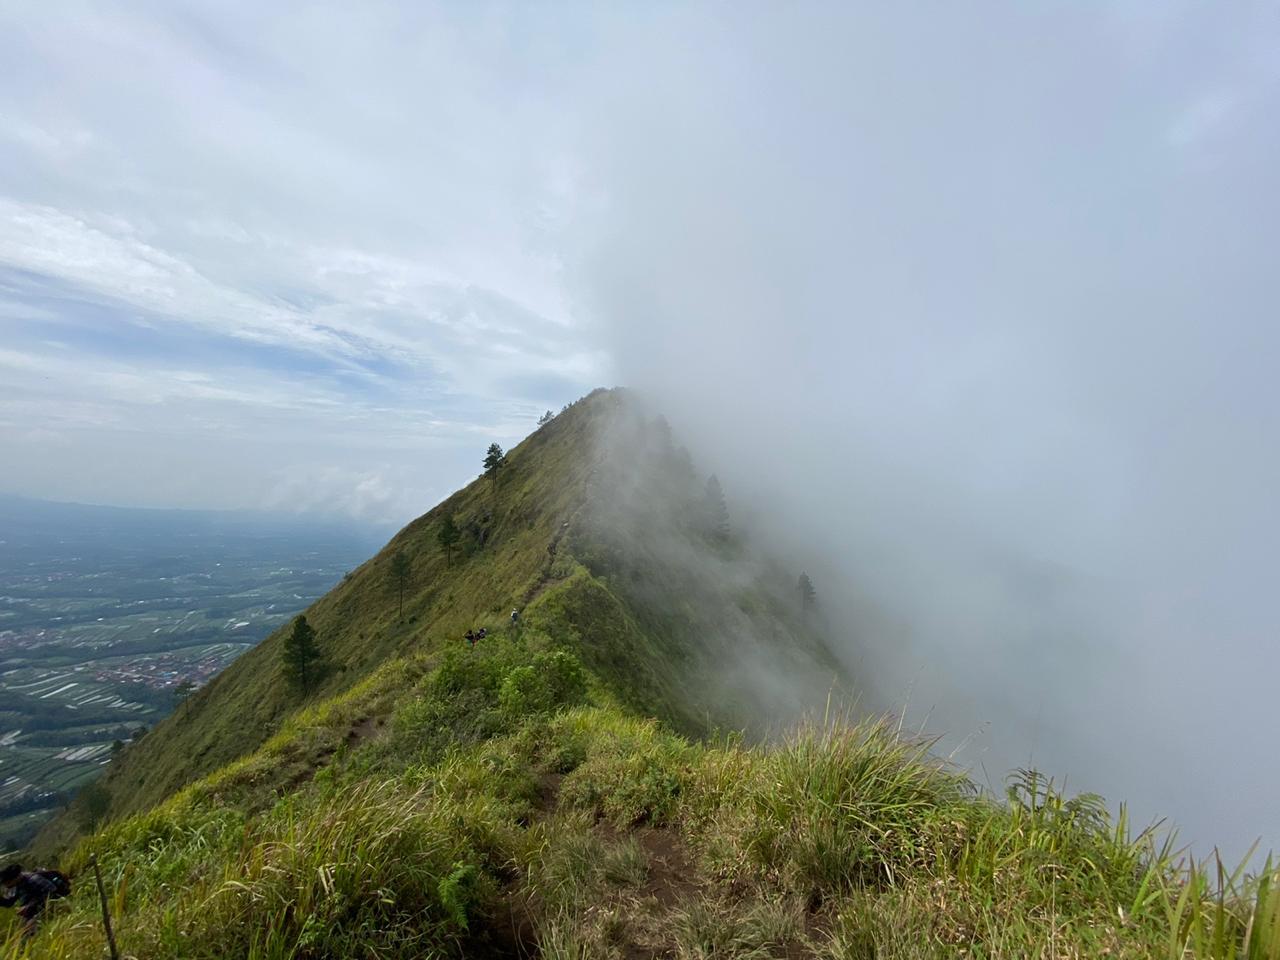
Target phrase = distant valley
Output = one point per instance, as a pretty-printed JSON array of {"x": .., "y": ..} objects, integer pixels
[{"x": 108, "y": 616}]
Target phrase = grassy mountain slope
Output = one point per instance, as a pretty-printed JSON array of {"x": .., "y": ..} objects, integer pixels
[
  {"x": 517, "y": 799},
  {"x": 512, "y": 807},
  {"x": 600, "y": 472}
]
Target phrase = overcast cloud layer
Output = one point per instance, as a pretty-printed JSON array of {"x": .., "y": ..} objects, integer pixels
[
  {"x": 297, "y": 259},
  {"x": 974, "y": 311}
]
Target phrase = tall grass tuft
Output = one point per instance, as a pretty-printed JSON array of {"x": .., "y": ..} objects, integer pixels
[
  {"x": 376, "y": 871},
  {"x": 838, "y": 806}
]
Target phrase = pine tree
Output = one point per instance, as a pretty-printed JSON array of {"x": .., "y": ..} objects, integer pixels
[
  {"x": 447, "y": 536},
  {"x": 494, "y": 460},
  {"x": 717, "y": 514},
  {"x": 182, "y": 694},
  {"x": 301, "y": 656},
  {"x": 93, "y": 803},
  {"x": 400, "y": 571},
  {"x": 546, "y": 418},
  {"x": 808, "y": 596}
]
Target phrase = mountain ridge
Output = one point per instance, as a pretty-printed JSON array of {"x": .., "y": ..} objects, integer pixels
[
  {"x": 518, "y": 534},
  {"x": 573, "y": 786}
]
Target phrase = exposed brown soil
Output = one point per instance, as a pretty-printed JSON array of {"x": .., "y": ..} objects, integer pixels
[
  {"x": 548, "y": 791},
  {"x": 364, "y": 729},
  {"x": 672, "y": 878},
  {"x": 512, "y": 936}
]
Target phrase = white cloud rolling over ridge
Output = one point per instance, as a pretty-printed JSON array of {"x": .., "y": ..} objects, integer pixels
[{"x": 976, "y": 306}]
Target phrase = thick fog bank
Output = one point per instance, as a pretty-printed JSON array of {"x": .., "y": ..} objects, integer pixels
[
  {"x": 977, "y": 323},
  {"x": 718, "y": 612}
]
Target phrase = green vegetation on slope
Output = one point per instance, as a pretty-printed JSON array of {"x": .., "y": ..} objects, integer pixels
[
  {"x": 511, "y": 807},
  {"x": 518, "y": 799},
  {"x": 601, "y": 482},
  {"x": 501, "y": 554}
]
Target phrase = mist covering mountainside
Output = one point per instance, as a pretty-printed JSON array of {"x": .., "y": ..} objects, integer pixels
[{"x": 572, "y": 785}]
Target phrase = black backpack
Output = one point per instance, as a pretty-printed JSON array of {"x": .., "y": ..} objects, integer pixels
[{"x": 61, "y": 883}]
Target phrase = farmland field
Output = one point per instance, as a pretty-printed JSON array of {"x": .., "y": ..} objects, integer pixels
[{"x": 105, "y": 613}]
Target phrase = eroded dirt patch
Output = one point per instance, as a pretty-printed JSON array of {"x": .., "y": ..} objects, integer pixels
[{"x": 672, "y": 877}]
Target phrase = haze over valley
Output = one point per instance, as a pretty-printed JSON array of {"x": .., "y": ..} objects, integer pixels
[{"x": 110, "y": 617}]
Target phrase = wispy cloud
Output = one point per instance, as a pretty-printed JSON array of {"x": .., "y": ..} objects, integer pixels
[{"x": 214, "y": 229}]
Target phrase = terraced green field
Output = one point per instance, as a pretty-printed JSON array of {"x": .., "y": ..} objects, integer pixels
[
  {"x": 28, "y": 770},
  {"x": 105, "y": 614}
]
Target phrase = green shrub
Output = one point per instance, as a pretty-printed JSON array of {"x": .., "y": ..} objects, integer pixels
[
  {"x": 629, "y": 787},
  {"x": 551, "y": 681},
  {"x": 524, "y": 691},
  {"x": 564, "y": 676}
]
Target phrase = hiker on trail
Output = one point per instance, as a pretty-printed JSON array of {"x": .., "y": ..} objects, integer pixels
[
  {"x": 31, "y": 890},
  {"x": 515, "y": 617},
  {"x": 470, "y": 636}
]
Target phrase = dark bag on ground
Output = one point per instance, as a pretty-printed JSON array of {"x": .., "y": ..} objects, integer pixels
[{"x": 61, "y": 883}]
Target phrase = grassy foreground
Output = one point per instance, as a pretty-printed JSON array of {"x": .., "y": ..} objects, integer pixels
[{"x": 508, "y": 805}]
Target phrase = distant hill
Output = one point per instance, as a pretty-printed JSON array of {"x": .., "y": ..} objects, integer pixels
[
  {"x": 603, "y": 776},
  {"x": 31, "y": 528}
]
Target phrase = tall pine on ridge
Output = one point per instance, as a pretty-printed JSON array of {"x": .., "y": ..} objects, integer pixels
[
  {"x": 807, "y": 595},
  {"x": 447, "y": 536},
  {"x": 400, "y": 571},
  {"x": 717, "y": 513},
  {"x": 301, "y": 656},
  {"x": 494, "y": 460}
]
